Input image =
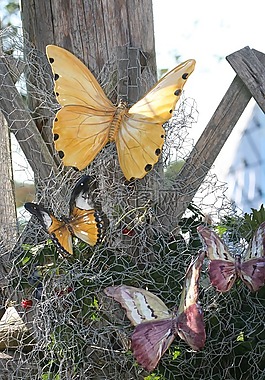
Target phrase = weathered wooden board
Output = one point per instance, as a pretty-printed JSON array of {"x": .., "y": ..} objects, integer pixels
[{"x": 219, "y": 127}]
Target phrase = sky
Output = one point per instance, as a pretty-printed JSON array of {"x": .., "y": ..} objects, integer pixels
[{"x": 208, "y": 31}]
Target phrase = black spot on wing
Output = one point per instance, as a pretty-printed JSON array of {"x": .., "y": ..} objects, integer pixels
[
  {"x": 185, "y": 76},
  {"x": 148, "y": 167},
  {"x": 56, "y": 76},
  {"x": 100, "y": 226},
  {"x": 177, "y": 92},
  {"x": 254, "y": 266},
  {"x": 55, "y": 136},
  {"x": 59, "y": 247},
  {"x": 51, "y": 60},
  {"x": 61, "y": 154}
]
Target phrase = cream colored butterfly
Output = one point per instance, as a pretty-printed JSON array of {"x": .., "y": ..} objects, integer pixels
[{"x": 88, "y": 120}]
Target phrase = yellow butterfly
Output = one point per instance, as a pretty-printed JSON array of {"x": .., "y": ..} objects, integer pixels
[{"x": 88, "y": 120}]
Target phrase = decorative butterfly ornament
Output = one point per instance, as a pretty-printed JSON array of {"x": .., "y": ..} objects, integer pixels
[
  {"x": 83, "y": 222},
  {"x": 157, "y": 327},
  {"x": 88, "y": 120},
  {"x": 224, "y": 269}
]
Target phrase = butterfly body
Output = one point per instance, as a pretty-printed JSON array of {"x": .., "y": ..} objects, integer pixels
[
  {"x": 83, "y": 222},
  {"x": 117, "y": 119},
  {"x": 88, "y": 120},
  {"x": 224, "y": 269},
  {"x": 157, "y": 327}
]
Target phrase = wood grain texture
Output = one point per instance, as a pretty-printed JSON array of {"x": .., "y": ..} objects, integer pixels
[
  {"x": 91, "y": 29},
  {"x": 210, "y": 143},
  {"x": 250, "y": 81},
  {"x": 250, "y": 68}
]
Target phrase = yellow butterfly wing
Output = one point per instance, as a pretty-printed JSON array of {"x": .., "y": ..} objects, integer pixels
[
  {"x": 57, "y": 229},
  {"x": 85, "y": 225},
  {"x": 81, "y": 126},
  {"x": 139, "y": 145},
  {"x": 60, "y": 235},
  {"x": 79, "y": 136},
  {"x": 74, "y": 82},
  {"x": 159, "y": 103},
  {"x": 140, "y": 138}
]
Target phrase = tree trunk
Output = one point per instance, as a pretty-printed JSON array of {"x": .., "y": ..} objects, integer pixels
[
  {"x": 92, "y": 30},
  {"x": 107, "y": 35},
  {"x": 8, "y": 216},
  {"x": 8, "y": 223}
]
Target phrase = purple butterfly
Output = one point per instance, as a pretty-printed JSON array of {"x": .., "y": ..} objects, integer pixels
[
  {"x": 224, "y": 269},
  {"x": 157, "y": 327}
]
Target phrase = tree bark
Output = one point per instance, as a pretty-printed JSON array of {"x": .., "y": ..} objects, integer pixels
[
  {"x": 92, "y": 30},
  {"x": 8, "y": 216}
]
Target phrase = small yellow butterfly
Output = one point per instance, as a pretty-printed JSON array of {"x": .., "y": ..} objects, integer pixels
[{"x": 88, "y": 120}]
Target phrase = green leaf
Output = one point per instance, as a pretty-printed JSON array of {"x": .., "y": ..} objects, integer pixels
[
  {"x": 176, "y": 353},
  {"x": 153, "y": 376},
  {"x": 240, "y": 337},
  {"x": 50, "y": 376}
]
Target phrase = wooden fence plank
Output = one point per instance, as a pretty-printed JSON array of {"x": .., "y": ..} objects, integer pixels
[
  {"x": 250, "y": 69},
  {"x": 210, "y": 143}
]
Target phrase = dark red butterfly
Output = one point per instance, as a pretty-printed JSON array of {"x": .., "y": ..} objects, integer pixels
[
  {"x": 224, "y": 268},
  {"x": 83, "y": 221},
  {"x": 157, "y": 327}
]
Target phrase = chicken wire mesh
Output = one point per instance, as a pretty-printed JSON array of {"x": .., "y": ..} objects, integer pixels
[{"x": 68, "y": 328}]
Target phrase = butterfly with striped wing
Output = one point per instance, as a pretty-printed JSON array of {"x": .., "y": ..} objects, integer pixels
[
  {"x": 156, "y": 326},
  {"x": 224, "y": 269}
]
